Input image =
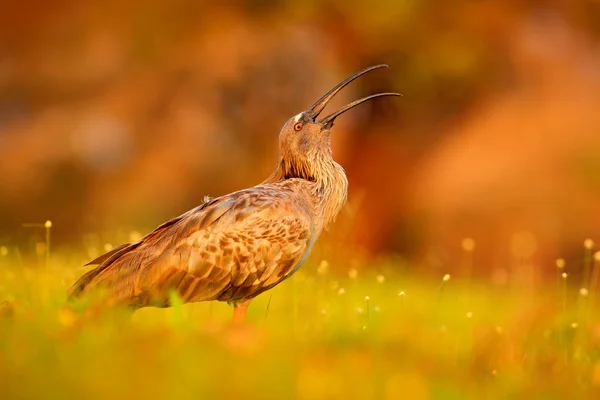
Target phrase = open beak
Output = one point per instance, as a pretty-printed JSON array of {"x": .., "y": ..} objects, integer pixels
[{"x": 320, "y": 104}]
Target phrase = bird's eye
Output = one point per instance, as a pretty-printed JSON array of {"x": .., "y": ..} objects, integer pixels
[{"x": 298, "y": 126}]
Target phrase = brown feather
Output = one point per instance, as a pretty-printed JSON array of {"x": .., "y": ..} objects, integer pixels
[
  {"x": 254, "y": 247},
  {"x": 100, "y": 259}
]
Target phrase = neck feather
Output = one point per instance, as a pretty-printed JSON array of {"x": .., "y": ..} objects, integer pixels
[{"x": 331, "y": 185}]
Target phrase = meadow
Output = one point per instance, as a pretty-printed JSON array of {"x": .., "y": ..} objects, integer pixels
[{"x": 377, "y": 331}]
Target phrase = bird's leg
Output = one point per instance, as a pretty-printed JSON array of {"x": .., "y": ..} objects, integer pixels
[{"x": 239, "y": 311}]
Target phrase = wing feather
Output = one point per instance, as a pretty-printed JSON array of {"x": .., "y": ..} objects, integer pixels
[{"x": 229, "y": 249}]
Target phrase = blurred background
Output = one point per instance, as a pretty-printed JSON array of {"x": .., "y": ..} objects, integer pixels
[{"x": 120, "y": 115}]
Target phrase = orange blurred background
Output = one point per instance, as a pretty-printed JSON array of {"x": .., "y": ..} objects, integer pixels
[{"x": 123, "y": 114}]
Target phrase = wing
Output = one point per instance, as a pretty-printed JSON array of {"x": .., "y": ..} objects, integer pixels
[{"x": 230, "y": 249}]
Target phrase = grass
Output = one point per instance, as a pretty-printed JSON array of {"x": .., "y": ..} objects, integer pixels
[{"x": 328, "y": 332}]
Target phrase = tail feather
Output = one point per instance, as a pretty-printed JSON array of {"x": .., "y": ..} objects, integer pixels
[
  {"x": 129, "y": 265},
  {"x": 104, "y": 261},
  {"x": 100, "y": 259},
  {"x": 76, "y": 289}
]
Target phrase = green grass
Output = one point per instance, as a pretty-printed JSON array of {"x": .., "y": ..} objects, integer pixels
[{"x": 441, "y": 341}]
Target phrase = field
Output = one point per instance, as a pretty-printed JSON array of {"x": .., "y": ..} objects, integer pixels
[
  {"x": 441, "y": 278},
  {"x": 374, "y": 331}
]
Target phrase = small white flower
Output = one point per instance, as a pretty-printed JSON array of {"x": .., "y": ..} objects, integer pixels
[
  {"x": 588, "y": 244},
  {"x": 583, "y": 292},
  {"x": 469, "y": 314},
  {"x": 48, "y": 224},
  {"x": 446, "y": 278},
  {"x": 468, "y": 244},
  {"x": 134, "y": 236},
  {"x": 341, "y": 291},
  {"x": 380, "y": 278},
  {"x": 352, "y": 273},
  {"x": 323, "y": 267},
  {"x": 560, "y": 263}
]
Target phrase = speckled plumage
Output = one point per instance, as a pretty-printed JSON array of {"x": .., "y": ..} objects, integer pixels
[{"x": 234, "y": 247}]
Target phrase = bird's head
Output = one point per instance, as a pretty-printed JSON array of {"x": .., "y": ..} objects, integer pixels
[{"x": 304, "y": 141}]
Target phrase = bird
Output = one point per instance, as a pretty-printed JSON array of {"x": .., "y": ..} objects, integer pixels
[{"x": 234, "y": 247}]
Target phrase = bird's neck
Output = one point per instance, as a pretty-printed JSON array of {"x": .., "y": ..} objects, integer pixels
[
  {"x": 330, "y": 185},
  {"x": 332, "y": 191}
]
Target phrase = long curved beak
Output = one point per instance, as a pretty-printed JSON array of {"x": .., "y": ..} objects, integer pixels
[
  {"x": 320, "y": 104},
  {"x": 331, "y": 117}
]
